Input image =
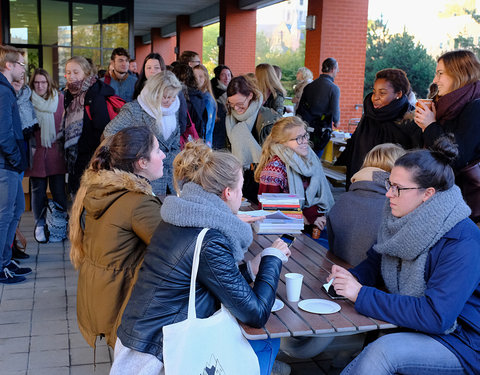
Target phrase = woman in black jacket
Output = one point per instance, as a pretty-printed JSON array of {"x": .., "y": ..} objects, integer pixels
[
  {"x": 85, "y": 116},
  {"x": 387, "y": 118},
  {"x": 210, "y": 183},
  {"x": 457, "y": 110}
]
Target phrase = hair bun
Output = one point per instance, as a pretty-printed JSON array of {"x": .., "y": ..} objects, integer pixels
[{"x": 445, "y": 149}]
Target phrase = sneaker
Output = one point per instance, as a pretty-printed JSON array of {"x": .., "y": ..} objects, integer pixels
[
  {"x": 19, "y": 254},
  {"x": 15, "y": 270},
  {"x": 40, "y": 234},
  {"x": 280, "y": 368},
  {"x": 6, "y": 277}
]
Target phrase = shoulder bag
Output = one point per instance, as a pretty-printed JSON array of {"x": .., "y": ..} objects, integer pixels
[{"x": 214, "y": 345}]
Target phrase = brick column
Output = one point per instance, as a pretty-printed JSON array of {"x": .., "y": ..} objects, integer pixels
[
  {"x": 164, "y": 46},
  {"x": 341, "y": 32},
  {"x": 238, "y": 29},
  {"x": 141, "y": 51},
  {"x": 189, "y": 38}
]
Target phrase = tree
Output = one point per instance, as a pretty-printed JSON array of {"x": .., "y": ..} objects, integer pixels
[
  {"x": 210, "y": 47},
  {"x": 465, "y": 41},
  {"x": 397, "y": 51}
]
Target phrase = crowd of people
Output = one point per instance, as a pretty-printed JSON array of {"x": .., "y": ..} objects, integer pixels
[{"x": 109, "y": 147}]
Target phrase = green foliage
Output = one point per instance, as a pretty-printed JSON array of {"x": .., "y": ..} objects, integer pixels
[
  {"x": 288, "y": 60},
  {"x": 210, "y": 47},
  {"x": 467, "y": 42},
  {"x": 397, "y": 51}
]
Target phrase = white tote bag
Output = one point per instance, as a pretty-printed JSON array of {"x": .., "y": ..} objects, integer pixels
[{"x": 211, "y": 346}]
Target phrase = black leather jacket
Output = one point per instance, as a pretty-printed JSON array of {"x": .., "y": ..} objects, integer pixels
[{"x": 160, "y": 296}]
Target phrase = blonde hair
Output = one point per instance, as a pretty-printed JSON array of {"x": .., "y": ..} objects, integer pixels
[
  {"x": 281, "y": 133},
  {"x": 267, "y": 80},
  {"x": 306, "y": 73},
  {"x": 462, "y": 65},
  {"x": 157, "y": 86},
  {"x": 212, "y": 170},
  {"x": 9, "y": 54},
  {"x": 383, "y": 156},
  {"x": 86, "y": 67}
]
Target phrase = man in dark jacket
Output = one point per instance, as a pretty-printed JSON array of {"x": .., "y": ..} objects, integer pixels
[
  {"x": 319, "y": 105},
  {"x": 13, "y": 162}
]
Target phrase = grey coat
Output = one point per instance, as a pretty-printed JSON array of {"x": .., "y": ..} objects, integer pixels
[
  {"x": 132, "y": 114},
  {"x": 355, "y": 218}
]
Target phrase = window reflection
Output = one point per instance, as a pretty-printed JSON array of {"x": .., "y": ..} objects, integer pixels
[
  {"x": 24, "y": 22},
  {"x": 56, "y": 28},
  {"x": 86, "y": 27}
]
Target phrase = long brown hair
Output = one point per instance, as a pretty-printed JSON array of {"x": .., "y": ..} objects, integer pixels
[
  {"x": 462, "y": 65},
  {"x": 268, "y": 81},
  {"x": 52, "y": 87},
  {"x": 281, "y": 133}
]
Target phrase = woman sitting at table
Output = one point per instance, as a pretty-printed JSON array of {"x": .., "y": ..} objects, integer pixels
[
  {"x": 210, "y": 193},
  {"x": 428, "y": 256},
  {"x": 387, "y": 118},
  {"x": 355, "y": 217},
  {"x": 113, "y": 218},
  {"x": 289, "y": 165}
]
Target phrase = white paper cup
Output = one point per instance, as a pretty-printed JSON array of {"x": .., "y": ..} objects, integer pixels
[{"x": 294, "y": 286}]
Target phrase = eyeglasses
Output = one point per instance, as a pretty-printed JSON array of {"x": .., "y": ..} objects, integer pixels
[
  {"x": 237, "y": 105},
  {"x": 20, "y": 63},
  {"x": 301, "y": 138},
  {"x": 396, "y": 190}
]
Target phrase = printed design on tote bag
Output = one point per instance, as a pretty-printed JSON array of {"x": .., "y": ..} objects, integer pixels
[{"x": 213, "y": 367}]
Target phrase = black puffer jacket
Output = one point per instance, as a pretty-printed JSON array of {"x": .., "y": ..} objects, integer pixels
[{"x": 160, "y": 296}]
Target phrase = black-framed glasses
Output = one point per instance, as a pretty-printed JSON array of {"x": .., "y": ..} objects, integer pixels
[
  {"x": 302, "y": 138},
  {"x": 237, "y": 106},
  {"x": 396, "y": 190}
]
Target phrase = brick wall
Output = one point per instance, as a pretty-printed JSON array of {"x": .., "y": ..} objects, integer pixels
[
  {"x": 141, "y": 51},
  {"x": 341, "y": 32},
  {"x": 239, "y": 37},
  {"x": 164, "y": 46},
  {"x": 189, "y": 38}
]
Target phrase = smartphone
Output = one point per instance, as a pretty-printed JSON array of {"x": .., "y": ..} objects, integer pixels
[
  {"x": 288, "y": 239},
  {"x": 332, "y": 294}
]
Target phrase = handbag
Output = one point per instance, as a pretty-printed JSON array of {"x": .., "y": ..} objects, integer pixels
[
  {"x": 214, "y": 345},
  {"x": 56, "y": 222},
  {"x": 468, "y": 179},
  {"x": 190, "y": 133}
]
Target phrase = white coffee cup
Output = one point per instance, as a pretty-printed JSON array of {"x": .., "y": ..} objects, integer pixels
[{"x": 294, "y": 286}]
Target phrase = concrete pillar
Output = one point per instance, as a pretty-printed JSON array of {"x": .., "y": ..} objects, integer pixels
[
  {"x": 189, "y": 38},
  {"x": 141, "y": 51},
  {"x": 238, "y": 30},
  {"x": 164, "y": 46},
  {"x": 341, "y": 32}
]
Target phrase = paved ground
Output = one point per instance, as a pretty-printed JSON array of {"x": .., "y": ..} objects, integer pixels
[{"x": 38, "y": 327}]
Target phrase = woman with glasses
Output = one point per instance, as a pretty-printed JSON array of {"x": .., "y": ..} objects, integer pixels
[
  {"x": 289, "y": 165},
  {"x": 387, "y": 118},
  {"x": 48, "y": 161},
  {"x": 427, "y": 256},
  {"x": 456, "y": 109},
  {"x": 354, "y": 219}
]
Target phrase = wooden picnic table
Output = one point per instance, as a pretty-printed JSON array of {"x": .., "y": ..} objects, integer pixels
[{"x": 314, "y": 262}]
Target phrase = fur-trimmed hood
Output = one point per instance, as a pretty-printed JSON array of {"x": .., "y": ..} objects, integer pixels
[{"x": 104, "y": 187}]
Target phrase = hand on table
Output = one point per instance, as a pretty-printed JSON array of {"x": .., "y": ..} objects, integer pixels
[
  {"x": 424, "y": 117},
  {"x": 345, "y": 283},
  {"x": 320, "y": 222},
  {"x": 249, "y": 219},
  {"x": 282, "y": 246}
]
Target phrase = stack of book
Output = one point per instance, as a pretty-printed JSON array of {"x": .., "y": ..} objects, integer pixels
[{"x": 284, "y": 214}]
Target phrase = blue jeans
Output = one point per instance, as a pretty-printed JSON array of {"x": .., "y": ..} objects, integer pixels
[
  {"x": 266, "y": 351},
  {"x": 12, "y": 205},
  {"x": 405, "y": 353}
]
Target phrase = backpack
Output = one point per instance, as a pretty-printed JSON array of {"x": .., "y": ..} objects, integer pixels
[
  {"x": 114, "y": 104},
  {"x": 263, "y": 125}
]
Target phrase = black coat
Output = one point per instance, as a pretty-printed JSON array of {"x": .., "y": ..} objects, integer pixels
[
  {"x": 466, "y": 129},
  {"x": 197, "y": 110},
  {"x": 92, "y": 128},
  {"x": 161, "y": 293}
]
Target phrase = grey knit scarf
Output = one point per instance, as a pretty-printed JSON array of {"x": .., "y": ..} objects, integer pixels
[
  {"x": 28, "y": 116},
  {"x": 197, "y": 208},
  {"x": 318, "y": 191},
  {"x": 406, "y": 241},
  {"x": 239, "y": 131}
]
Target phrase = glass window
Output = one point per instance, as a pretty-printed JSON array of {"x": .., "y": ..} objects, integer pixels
[
  {"x": 86, "y": 26},
  {"x": 32, "y": 61},
  {"x": 107, "y": 54},
  {"x": 114, "y": 27},
  {"x": 90, "y": 53},
  {"x": 24, "y": 22},
  {"x": 56, "y": 28},
  {"x": 63, "y": 55}
]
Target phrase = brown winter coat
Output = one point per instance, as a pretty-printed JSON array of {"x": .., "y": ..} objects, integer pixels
[{"x": 113, "y": 219}]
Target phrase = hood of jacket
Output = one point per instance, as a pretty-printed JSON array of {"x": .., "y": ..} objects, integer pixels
[{"x": 104, "y": 187}]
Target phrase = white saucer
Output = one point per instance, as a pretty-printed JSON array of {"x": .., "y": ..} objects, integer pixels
[
  {"x": 319, "y": 306},
  {"x": 278, "y": 305}
]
